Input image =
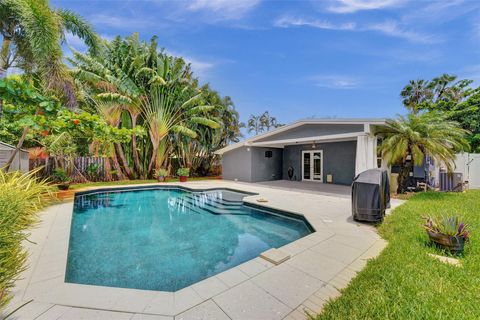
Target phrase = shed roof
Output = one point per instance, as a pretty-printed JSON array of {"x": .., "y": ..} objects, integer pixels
[{"x": 11, "y": 147}]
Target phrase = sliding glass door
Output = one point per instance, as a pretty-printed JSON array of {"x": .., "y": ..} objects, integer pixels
[{"x": 312, "y": 165}]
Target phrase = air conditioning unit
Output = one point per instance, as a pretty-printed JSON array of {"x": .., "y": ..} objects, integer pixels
[{"x": 451, "y": 181}]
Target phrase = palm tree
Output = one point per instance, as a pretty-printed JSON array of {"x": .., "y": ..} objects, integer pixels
[
  {"x": 254, "y": 124},
  {"x": 32, "y": 37},
  {"x": 164, "y": 114},
  {"x": 161, "y": 97},
  {"x": 417, "y": 135},
  {"x": 415, "y": 93}
]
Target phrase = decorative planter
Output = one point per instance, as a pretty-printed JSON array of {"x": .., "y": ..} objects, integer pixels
[
  {"x": 450, "y": 243},
  {"x": 161, "y": 179},
  {"x": 183, "y": 178},
  {"x": 63, "y": 186}
]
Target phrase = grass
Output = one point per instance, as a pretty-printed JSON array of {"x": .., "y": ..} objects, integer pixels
[{"x": 404, "y": 282}]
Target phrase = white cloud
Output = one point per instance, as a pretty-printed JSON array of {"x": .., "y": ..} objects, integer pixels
[
  {"x": 351, "y": 6},
  {"x": 121, "y": 22},
  {"x": 223, "y": 9},
  {"x": 285, "y": 22},
  {"x": 200, "y": 67},
  {"x": 335, "y": 81},
  {"x": 393, "y": 29},
  {"x": 75, "y": 42},
  {"x": 389, "y": 28}
]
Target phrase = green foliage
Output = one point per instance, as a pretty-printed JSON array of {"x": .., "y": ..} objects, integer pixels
[
  {"x": 450, "y": 226},
  {"x": 262, "y": 123},
  {"x": 418, "y": 135},
  {"x": 21, "y": 197},
  {"x": 32, "y": 35},
  {"x": 183, "y": 172},
  {"x": 445, "y": 94},
  {"x": 161, "y": 173},
  {"x": 60, "y": 146},
  {"x": 404, "y": 282},
  {"x": 132, "y": 84},
  {"x": 93, "y": 171},
  {"x": 60, "y": 176}
]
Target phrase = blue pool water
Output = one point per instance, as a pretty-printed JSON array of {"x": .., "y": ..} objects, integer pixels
[{"x": 167, "y": 239}]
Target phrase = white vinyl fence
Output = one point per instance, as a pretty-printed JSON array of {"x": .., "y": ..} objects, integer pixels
[{"x": 469, "y": 165}]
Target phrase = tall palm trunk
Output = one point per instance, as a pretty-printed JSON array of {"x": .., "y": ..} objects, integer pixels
[
  {"x": 117, "y": 167},
  {"x": 136, "y": 157},
  {"x": 403, "y": 174},
  {"x": 107, "y": 169},
  {"x": 123, "y": 159}
]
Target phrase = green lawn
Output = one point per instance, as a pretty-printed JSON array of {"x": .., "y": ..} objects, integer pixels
[{"x": 404, "y": 282}]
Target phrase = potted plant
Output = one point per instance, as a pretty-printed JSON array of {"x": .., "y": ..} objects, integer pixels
[
  {"x": 161, "y": 174},
  {"x": 447, "y": 233},
  {"x": 61, "y": 178},
  {"x": 183, "y": 174}
]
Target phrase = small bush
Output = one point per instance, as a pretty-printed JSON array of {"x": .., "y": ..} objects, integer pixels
[
  {"x": 161, "y": 173},
  {"x": 21, "y": 197},
  {"x": 60, "y": 176},
  {"x": 183, "y": 172}
]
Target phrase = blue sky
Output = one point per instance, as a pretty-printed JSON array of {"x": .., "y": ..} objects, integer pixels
[{"x": 297, "y": 59}]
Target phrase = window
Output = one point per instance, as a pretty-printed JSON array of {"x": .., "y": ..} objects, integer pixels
[{"x": 268, "y": 154}]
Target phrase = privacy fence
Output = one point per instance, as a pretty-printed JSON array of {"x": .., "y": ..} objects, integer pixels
[{"x": 82, "y": 168}]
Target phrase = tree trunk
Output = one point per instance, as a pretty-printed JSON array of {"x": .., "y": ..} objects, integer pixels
[
  {"x": 3, "y": 65},
  {"x": 19, "y": 146},
  {"x": 403, "y": 178},
  {"x": 152, "y": 159},
  {"x": 117, "y": 167},
  {"x": 121, "y": 155},
  {"x": 136, "y": 157},
  {"x": 107, "y": 169}
]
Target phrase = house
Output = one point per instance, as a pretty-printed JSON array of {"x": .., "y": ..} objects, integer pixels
[
  {"x": 316, "y": 150},
  {"x": 20, "y": 162}
]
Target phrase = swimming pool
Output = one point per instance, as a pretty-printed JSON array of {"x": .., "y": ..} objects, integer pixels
[{"x": 169, "y": 238}]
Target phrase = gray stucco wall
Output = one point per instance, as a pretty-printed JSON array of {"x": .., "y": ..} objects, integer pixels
[
  {"x": 338, "y": 160},
  {"x": 252, "y": 166},
  {"x": 266, "y": 169},
  {"x": 313, "y": 130},
  {"x": 237, "y": 164}
]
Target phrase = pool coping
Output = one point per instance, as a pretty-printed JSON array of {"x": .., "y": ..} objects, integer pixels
[{"x": 45, "y": 281}]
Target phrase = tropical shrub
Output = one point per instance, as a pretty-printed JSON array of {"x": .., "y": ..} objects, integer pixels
[
  {"x": 21, "y": 197},
  {"x": 183, "y": 172},
  {"x": 133, "y": 84},
  {"x": 161, "y": 172},
  {"x": 449, "y": 226},
  {"x": 418, "y": 135},
  {"x": 60, "y": 176}
]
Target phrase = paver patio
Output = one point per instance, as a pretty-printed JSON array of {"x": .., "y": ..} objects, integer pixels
[{"x": 320, "y": 264}]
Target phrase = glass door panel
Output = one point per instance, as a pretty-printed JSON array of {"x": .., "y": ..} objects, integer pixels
[
  {"x": 306, "y": 166},
  {"x": 317, "y": 166}
]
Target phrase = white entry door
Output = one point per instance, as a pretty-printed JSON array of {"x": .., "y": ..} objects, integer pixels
[{"x": 312, "y": 165}]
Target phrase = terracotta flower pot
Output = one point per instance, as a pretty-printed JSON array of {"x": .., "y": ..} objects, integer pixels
[
  {"x": 450, "y": 243},
  {"x": 183, "y": 178},
  {"x": 63, "y": 186}
]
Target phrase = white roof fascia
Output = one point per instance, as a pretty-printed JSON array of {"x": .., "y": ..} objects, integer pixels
[{"x": 329, "y": 138}]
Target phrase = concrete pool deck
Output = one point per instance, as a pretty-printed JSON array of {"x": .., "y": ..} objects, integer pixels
[{"x": 320, "y": 264}]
